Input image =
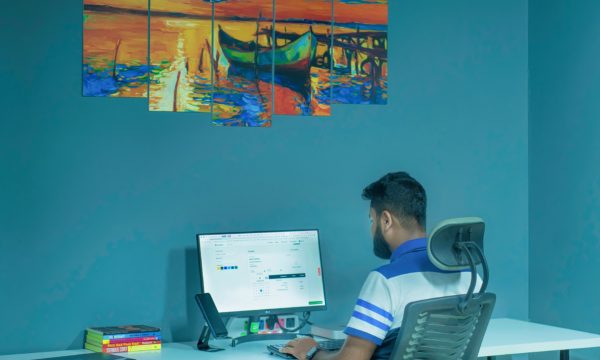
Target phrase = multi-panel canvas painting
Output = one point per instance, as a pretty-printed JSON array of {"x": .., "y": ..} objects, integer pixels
[{"x": 242, "y": 61}]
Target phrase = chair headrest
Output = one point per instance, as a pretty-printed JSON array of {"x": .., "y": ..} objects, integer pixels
[{"x": 444, "y": 244}]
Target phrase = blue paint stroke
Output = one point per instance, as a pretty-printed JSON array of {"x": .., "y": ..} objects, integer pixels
[
  {"x": 100, "y": 82},
  {"x": 357, "y": 90},
  {"x": 239, "y": 89}
]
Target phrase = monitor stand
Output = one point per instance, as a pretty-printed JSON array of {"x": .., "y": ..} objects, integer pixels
[{"x": 262, "y": 337}]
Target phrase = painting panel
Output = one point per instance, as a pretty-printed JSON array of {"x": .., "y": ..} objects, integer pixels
[
  {"x": 115, "y": 48},
  {"x": 243, "y": 83},
  {"x": 180, "y": 47},
  {"x": 360, "y": 49},
  {"x": 302, "y": 57}
]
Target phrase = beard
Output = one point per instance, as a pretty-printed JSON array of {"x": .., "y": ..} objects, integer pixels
[{"x": 380, "y": 247}]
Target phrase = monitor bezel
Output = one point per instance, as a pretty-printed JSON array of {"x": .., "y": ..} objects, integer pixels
[{"x": 266, "y": 312}]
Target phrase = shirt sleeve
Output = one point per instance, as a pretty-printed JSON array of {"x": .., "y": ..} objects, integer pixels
[{"x": 372, "y": 316}]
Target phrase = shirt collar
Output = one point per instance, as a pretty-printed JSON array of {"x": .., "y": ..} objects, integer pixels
[{"x": 408, "y": 247}]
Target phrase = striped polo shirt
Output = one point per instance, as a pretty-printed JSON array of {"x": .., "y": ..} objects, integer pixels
[{"x": 410, "y": 276}]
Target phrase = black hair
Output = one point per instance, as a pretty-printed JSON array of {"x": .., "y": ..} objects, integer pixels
[{"x": 401, "y": 195}]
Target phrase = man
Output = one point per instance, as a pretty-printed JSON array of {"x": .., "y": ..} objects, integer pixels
[{"x": 398, "y": 215}]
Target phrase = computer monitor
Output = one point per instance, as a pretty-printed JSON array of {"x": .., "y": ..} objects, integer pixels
[{"x": 262, "y": 273}]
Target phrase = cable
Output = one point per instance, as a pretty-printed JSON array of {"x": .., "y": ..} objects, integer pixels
[{"x": 304, "y": 321}]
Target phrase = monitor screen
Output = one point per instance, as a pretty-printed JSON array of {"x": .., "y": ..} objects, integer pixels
[{"x": 256, "y": 273}]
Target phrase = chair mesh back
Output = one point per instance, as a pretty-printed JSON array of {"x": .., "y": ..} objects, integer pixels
[
  {"x": 435, "y": 329},
  {"x": 456, "y": 331}
]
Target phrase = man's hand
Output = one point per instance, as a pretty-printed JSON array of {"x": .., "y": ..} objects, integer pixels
[
  {"x": 299, "y": 347},
  {"x": 354, "y": 348}
]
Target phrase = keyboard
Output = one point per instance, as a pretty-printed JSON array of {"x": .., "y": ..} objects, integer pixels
[
  {"x": 276, "y": 350},
  {"x": 328, "y": 345}
]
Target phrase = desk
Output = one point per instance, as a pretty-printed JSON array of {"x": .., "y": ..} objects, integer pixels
[
  {"x": 509, "y": 337},
  {"x": 503, "y": 337}
]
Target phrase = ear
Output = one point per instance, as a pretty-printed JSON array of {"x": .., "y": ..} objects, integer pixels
[{"x": 386, "y": 220}]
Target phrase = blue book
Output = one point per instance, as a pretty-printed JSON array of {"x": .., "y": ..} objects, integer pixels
[{"x": 123, "y": 332}]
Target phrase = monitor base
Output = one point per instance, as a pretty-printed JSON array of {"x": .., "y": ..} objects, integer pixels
[
  {"x": 262, "y": 337},
  {"x": 202, "y": 344}
]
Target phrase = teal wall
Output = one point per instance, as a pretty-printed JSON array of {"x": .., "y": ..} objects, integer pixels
[
  {"x": 100, "y": 199},
  {"x": 565, "y": 165}
]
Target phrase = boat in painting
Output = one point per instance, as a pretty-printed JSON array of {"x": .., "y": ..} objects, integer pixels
[{"x": 294, "y": 57}]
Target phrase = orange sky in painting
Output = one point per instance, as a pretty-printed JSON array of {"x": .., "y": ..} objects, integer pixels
[
  {"x": 320, "y": 10},
  {"x": 127, "y": 4},
  {"x": 304, "y": 9},
  {"x": 361, "y": 13},
  {"x": 244, "y": 8},
  {"x": 193, "y": 7}
]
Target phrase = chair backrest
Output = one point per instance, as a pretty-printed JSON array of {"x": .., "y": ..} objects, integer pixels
[{"x": 451, "y": 327}]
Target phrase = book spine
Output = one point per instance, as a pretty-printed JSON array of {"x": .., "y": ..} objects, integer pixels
[
  {"x": 92, "y": 347},
  {"x": 134, "y": 343},
  {"x": 122, "y": 336},
  {"x": 95, "y": 332},
  {"x": 145, "y": 347},
  {"x": 118, "y": 330},
  {"x": 99, "y": 341},
  {"x": 119, "y": 349}
]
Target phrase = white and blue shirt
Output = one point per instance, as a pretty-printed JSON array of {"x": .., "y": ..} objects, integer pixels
[{"x": 410, "y": 276}]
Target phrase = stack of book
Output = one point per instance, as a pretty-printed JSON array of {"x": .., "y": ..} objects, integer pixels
[{"x": 128, "y": 338}]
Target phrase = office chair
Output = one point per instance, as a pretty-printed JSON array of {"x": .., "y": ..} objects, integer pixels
[{"x": 450, "y": 327}]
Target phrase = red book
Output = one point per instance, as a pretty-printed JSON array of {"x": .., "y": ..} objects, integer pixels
[{"x": 131, "y": 343}]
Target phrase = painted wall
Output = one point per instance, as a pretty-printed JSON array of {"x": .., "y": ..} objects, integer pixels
[
  {"x": 100, "y": 199},
  {"x": 564, "y": 165}
]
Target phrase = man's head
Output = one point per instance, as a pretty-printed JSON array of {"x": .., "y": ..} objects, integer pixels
[{"x": 398, "y": 211}]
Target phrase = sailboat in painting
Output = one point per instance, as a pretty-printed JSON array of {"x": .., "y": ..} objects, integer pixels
[
  {"x": 294, "y": 57},
  {"x": 309, "y": 94}
]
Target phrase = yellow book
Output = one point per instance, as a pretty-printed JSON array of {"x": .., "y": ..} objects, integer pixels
[{"x": 118, "y": 349}]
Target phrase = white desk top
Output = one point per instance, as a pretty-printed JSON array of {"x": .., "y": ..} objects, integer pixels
[
  {"x": 508, "y": 336},
  {"x": 503, "y": 337}
]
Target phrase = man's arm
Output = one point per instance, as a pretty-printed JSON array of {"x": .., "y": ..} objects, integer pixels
[
  {"x": 354, "y": 348},
  {"x": 371, "y": 319}
]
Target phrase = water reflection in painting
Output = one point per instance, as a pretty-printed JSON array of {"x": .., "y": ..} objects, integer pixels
[{"x": 180, "y": 45}]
